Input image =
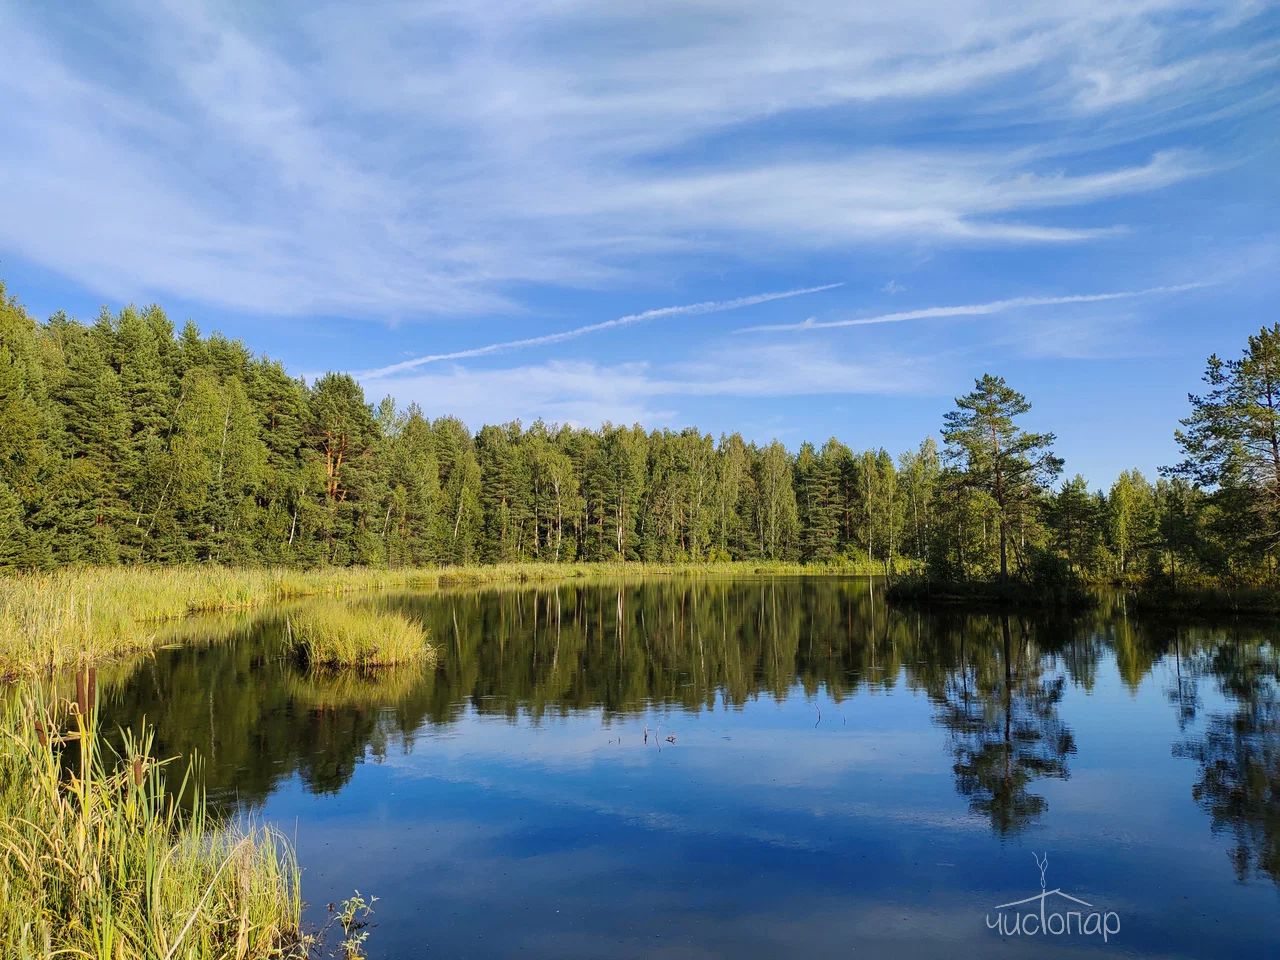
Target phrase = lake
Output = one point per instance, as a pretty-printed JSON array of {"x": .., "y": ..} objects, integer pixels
[{"x": 754, "y": 768}]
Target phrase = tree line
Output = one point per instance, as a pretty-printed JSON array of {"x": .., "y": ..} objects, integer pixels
[{"x": 126, "y": 440}]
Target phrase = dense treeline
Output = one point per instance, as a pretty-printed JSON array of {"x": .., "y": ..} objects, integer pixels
[{"x": 126, "y": 441}]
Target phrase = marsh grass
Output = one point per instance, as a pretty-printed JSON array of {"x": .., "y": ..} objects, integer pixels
[
  {"x": 101, "y": 858},
  {"x": 337, "y": 635},
  {"x": 79, "y": 614}
]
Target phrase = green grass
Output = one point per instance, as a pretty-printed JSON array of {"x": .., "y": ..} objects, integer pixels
[
  {"x": 89, "y": 613},
  {"x": 333, "y": 635},
  {"x": 100, "y": 861}
]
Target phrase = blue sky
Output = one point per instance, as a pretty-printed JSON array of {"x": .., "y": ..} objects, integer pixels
[{"x": 362, "y": 188}]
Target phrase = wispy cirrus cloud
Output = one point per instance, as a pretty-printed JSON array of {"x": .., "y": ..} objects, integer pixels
[
  {"x": 977, "y": 309},
  {"x": 425, "y": 160},
  {"x": 657, "y": 313},
  {"x": 584, "y": 392}
]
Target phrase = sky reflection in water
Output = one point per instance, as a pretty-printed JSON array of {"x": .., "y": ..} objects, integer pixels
[{"x": 846, "y": 779}]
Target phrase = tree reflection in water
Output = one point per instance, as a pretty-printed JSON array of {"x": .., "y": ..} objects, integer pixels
[
  {"x": 620, "y": 648},
  {"x": 1239, "y": 752},
  {"x": 999, "y": 708}
]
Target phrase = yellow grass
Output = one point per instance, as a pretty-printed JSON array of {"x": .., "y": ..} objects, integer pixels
[
  {"x": 98, "y": 860},
  {"x": 88, "y": 613},
  {"x": 344, "y": 635}
]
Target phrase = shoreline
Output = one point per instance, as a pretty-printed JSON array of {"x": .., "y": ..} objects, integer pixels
[
  {"x": 89, "y": 614},
  {"x": 987, "y": 595}
]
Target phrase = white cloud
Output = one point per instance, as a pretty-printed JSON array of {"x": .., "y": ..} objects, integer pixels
[
  {"x": 587, "y": 393},
  {"x": 402, "y": 160},
  {"x": 657, "y": 313},
  {"x": 979, "y": 309}
]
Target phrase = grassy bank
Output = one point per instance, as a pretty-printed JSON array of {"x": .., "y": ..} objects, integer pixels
[
  {"x": 99, "y": 860},
  {"x": 75, "y": 614}
]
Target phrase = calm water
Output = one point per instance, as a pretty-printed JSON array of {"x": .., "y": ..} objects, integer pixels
[{"x": 845, "y": 780}]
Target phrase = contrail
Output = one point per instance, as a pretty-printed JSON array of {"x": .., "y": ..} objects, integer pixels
[
  {"x": 978, "y": 309},
  {"x": 710, "y": 306}
]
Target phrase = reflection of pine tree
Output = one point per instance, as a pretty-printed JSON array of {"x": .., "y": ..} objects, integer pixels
[
  {"x": 1183, "y": 691},
  {"x": 1239, "y": 758},
  {"x": 1000, "y": 710}
]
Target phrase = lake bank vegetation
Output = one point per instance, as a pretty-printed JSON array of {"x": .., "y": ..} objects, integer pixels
[
  {"x": 333, "y": 636},
  {"x": 127, "y": 441},
  {"x": 52, "y": 618},
  {"x": 1205, "y": 537},
  {"x": 106, "y": 856}
]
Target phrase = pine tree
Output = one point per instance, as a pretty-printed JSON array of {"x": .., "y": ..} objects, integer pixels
[
  {"x": 26, "y": 458},
  {"x": 461, "y": 523},
  {"x": 1074, "y": 518},
  {"x": 817, "y": 494},
  {"x": 990, "y": 453},
  {"x": 410, "y": 524},
  {"x": 617, "y": 478},
  {"x": 777, "y": 520},
  {"x": 341, "y": 433},
  {"x": 94, "y": 485},
  {"x": 1232, "y": 437},
  {"x": 732, "y": 466}
]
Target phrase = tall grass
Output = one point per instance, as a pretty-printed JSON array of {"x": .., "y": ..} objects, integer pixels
[
  {"x": 341, "y": 635},
  {"x": 87, "y": 613},
  {"x": 99, "y": 860}
]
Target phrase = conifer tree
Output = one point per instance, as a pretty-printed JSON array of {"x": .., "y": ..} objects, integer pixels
[
  {"x": 1231, "y": 440},
  {"x": 992, "y": 454},
  {"x": 459, "y": 517}
]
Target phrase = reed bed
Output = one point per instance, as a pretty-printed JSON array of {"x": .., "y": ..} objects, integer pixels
[
  {"x": 79, "y": 614},
  {"x": 336, "y": 635},
  {"x": 99, "y": 860}
]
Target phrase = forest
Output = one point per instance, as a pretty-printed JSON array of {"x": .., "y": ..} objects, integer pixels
[{"x": 127, "y": 441}]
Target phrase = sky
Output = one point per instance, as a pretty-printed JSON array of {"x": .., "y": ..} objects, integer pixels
[{"x": 790, "y": 220}]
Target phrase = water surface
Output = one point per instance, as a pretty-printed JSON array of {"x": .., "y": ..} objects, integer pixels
[{"x": 753, "y": 768}]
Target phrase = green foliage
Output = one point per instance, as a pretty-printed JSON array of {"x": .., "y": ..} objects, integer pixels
[
  {"x": 989, "y": 453},
  {"x": 123, "y": 441},
  {"x": 1231, "y": 442}
]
